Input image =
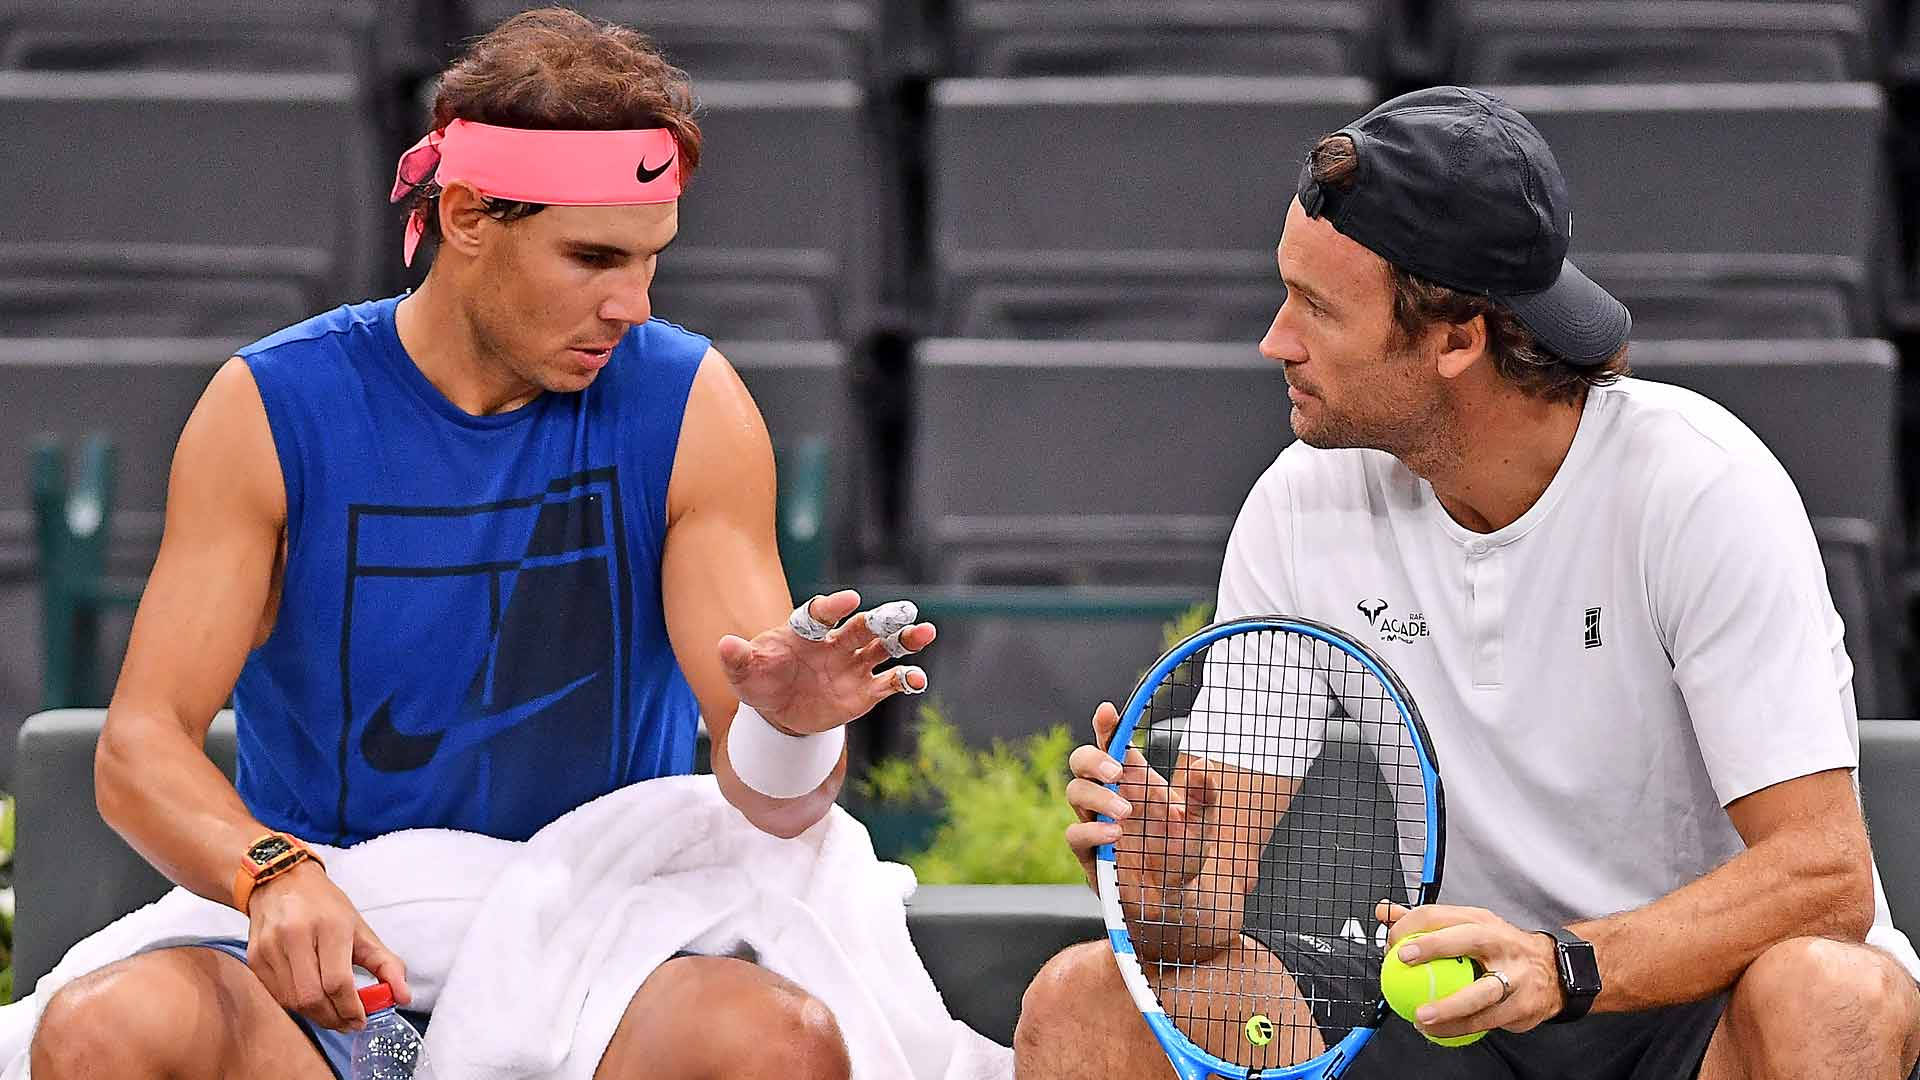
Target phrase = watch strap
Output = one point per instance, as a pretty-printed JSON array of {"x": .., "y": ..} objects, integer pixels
[
  {"x": 249, "y": 876},
  {"x": 1577, "y": 1001}
]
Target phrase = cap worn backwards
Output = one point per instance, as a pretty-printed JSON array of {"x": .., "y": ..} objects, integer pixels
[{"x": 1455, "y": 186}]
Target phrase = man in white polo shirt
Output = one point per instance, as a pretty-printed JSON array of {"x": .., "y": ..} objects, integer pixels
[{"x": 1605, "y": 596}]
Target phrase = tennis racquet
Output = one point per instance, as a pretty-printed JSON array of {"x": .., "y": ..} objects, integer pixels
[{"x": 1244, "y": 926}]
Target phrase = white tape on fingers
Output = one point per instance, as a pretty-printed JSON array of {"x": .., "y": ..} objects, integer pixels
[
  {"x": 895, "y": 647},
  {"x": 900, "y": 677},
  {"x": 776, "y": 764},
  {"x": 889, "y": 619},
  {"x": 805, "y": 626}
]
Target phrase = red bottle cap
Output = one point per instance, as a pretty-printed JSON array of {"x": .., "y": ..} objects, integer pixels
[{"x": 376, "y": 997}]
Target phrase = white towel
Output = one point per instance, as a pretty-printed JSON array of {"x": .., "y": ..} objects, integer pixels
[{"x": 528, "y": 953}]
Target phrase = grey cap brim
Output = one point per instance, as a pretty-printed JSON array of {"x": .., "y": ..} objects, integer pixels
[{"x": 1576, "y": 318}]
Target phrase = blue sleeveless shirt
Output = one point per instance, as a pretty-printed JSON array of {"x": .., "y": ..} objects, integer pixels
[{"x": 470, "y": 632}]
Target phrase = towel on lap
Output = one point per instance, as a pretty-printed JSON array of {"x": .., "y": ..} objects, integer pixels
[{"x": 528, "y": 953}]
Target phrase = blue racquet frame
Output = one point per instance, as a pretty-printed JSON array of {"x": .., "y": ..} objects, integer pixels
[{"x": 1192, "y": 1062}]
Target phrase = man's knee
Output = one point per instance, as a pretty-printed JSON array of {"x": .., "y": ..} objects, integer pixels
[
  {"x": 765, "y": 1025},
  {"x": 800, "y": 1034},
  {"x": 130, "y": 1019},
  {"x": 1853, "y": 993},
  {"x": 1080, "y": 981}
]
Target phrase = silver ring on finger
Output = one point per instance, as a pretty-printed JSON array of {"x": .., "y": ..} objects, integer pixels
[
  {"x": 805, "y": 626},
  {"x": 1506, "y": 988},
  {"x": 900, "y": 679}
]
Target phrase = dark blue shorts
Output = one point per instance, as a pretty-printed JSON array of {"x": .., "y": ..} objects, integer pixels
[
  {"x": 334, "y": 1046},
  {"x": 1659, "y": 1044}
]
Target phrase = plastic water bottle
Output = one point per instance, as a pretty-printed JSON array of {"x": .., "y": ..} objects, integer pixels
[{"x": 388, "y": 1048}]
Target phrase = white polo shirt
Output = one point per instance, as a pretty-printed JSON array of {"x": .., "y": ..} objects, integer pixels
[{"x": 1652, "y": 640}]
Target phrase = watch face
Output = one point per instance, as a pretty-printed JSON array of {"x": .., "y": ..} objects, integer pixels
[
  {"x": 267, "y": 849},
  {"x": 1578, "y": 969}
]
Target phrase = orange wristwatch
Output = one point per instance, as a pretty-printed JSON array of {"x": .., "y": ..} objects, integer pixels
[{"x": 267, "y": 858}]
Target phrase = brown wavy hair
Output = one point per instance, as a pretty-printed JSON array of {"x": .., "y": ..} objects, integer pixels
[
  {"x": 552, "y": 69},
  {"x": 1517, "y": 354}
]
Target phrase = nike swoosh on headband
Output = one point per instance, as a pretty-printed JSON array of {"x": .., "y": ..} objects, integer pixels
[{"x": 648, "y": 176}]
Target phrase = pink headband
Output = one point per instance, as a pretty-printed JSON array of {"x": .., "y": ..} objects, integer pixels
[{"x": 557, "y": 168}]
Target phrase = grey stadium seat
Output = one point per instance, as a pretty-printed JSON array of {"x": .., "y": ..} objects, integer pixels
[
  {"x": 340, "y": 36},
  {"x": 1093, "y": 462},
  {"x": 1889, "y": 775},
  {"x": 1653, "y": 173},
  {"x": 179, "y": 164},
  {"x": 1119, "y": 208},
  {"x": 73, "y": 875},
  {"x": 805, "y": 394},
  {"x": 778, "y": 238},
  {"x": 155, "y": 290},
  {"x": 999, "y": 38},
  {"x": 1076, "y": 464},
  {"x": 735, "y": 39},
  {"x": 141, "y": 393},
  {"x": 1653, "y": 41}
]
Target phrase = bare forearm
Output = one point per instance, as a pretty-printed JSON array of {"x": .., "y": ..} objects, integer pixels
[
  {"x": 160, "y": 791},
  {"x": 1698, "y": 939}
]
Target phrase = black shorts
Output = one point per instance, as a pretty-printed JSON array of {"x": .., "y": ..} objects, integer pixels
[{"x": 1659, "y": 1044}]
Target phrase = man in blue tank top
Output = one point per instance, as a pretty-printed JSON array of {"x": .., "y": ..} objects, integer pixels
[{"x": 469, "y": 558}]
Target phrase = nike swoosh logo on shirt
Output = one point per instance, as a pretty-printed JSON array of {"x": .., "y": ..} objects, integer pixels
[{"x": 389, "y": 749}]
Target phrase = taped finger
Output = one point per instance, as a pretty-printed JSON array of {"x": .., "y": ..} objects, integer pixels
[
  {"x": 894, "y": 646},
  {"x": 805, "y": 626},
  {"x": 906, "y": 687},
  {"x": 888, "y": 620}
]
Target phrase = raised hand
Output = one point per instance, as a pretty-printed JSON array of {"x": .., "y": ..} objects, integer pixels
[
  {"x": 1161, "y": 828},
  {"x": 805, "y": 686}
]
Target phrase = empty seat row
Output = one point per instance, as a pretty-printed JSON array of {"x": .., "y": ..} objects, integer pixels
[
  {"x": 1065, "y": 455},
  {"x": 228, "y": 205},
  {"x": 1508, "y": 41},
  {"x": 1120, "y": 208},
  {"x": 367, "y": 39},
  {"x": 1149, "y": 208}
]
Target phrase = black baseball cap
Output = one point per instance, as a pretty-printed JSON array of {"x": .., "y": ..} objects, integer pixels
[{"x": 1457, "y": 187}]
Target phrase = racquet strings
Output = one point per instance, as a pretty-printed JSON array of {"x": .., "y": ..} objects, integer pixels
[{"x": 1262, "y": 708}]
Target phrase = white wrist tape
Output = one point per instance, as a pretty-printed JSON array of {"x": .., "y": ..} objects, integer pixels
[{"x": 776, "y": 764}]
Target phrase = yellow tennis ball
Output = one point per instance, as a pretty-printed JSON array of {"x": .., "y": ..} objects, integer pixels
[{"x": 1409, "y": 986}]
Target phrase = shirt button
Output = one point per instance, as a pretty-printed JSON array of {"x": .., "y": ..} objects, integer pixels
[{"x": 1477, "y": 547}]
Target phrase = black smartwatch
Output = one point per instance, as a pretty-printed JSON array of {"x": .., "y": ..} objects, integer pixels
[{"x": 1579, "y": 973}]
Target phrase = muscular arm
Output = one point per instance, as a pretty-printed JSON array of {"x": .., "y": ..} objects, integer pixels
[
  {"x": 721, "y": 571},
  {"x": 1807, "y": 870},
  {"x": 204, "y": 609}
]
